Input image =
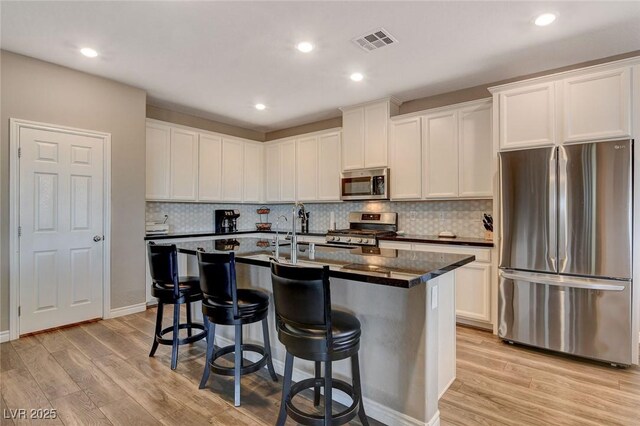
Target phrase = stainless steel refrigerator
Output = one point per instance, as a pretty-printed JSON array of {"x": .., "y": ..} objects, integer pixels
[{"x": 566, "y": 249}]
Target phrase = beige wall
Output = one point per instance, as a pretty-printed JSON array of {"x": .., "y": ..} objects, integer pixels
[
  {"x": 44, "y": 92},
  {"x": 160, "y": 113}
]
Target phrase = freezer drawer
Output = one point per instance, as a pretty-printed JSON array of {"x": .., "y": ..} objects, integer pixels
[{"x": 584, "y": 317}]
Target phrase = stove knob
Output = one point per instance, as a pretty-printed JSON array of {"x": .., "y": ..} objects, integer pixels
[
  {"x": 365, "y": 241},
  {"x": 336, "y": 239},
  {"x": 330, "y": 238},
  {"x": 348, "y": 240},
  {"x": 360, "y": 240}
]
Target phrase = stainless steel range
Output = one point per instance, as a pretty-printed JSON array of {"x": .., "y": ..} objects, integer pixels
[{"x": 365, "y": 228}]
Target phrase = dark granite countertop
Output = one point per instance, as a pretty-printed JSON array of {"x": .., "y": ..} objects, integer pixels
[
  {"x": 434, "y": 239},
  {"x": 396, "y": 268},
  {"x": 198, "y": 234}
]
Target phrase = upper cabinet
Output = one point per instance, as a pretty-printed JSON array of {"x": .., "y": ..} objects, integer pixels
[
  {"x": 597, "y": 106},
  {"x": 232, "y": 169},
  {"x": 252, "y": 180},
  {"x": 158, "y": 153},
  {"x": 184, "y": 165},
  {"x": 365, "y": 134},
  {"x": 329, "y": 166},
  {"x": 577, "y": 106},
  {"x": 527, "y": 116},
  {"x": 288, "y": 171},
  {"x": 445, "y": 153},
  {"x": 272, "y": 172},
  {"x": 307, "y": 168},
  {"x": 210, "y": 168}
]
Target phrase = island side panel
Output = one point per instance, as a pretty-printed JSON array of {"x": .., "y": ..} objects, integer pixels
[{"x": 446, "y": 332}]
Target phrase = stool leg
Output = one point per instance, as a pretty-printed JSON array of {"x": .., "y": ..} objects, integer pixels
[
  {"x": 211, "y": 334},
  {"x": 189, "y": 318},
  {"x": 156, "y": 335},
  {"x": 237, "y": 365},
  {"x": 176, "y": 335},
  {"x": 355, "y": 374},
  {"x": 316, "y": 388},
  {"x": 328, "y": 394},
  {"x": 286, "y": 388},
  {"x": 267, "y": 349}
]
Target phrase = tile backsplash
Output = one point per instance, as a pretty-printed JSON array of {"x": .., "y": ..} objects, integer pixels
[{"x": 463, "y": 217}]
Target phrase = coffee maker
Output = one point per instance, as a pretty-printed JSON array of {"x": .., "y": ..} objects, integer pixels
[{"x": 225, "y": 221}]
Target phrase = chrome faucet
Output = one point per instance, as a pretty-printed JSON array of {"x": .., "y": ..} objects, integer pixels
[
  {"x": 298, "y": 211},
  {"x": 276, "y": 239}
]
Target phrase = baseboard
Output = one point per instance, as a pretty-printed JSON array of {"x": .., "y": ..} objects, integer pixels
[
  {"x": 4, "y": 336},
  {"x": 374, "y": 409},
  {"x": 128, "y": 310}
]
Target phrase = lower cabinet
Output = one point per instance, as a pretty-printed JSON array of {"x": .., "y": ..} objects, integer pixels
[{"x": 473, "y": 281}]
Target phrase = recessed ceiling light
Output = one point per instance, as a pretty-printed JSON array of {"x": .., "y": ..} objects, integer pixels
[
  {"x": 545, "y": 19},
  {"x": 305, "y": 47},
  {"x": 260, "y": 107},
  {"x": 356, "y": 76},
  {"x": 88, "y": 52}
]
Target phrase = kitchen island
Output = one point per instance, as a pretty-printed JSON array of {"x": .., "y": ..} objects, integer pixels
[{"x": 405, "y": 301}]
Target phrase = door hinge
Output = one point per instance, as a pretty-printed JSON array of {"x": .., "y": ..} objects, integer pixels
[
  {"x": 19, "y": 310},
  {"x": 19, "y": 152},
  {"x": 19, "y": 231}
]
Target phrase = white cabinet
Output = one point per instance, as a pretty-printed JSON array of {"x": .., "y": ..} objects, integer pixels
[
  {"x": 307, "y": 168},
  {"x": 158, "y": 162},
  {"x": 475, "y": 151},
  {"x": 473, "y": 291},
  {"x": 527, "y": 116},
  {"x": 184, "y": 165},
  {"x": 365, "y": 134},
  {"x": 440, "y": 155},
  {"x": 252, "y": 180},
  {"x": 353, "y": 139},
  {"x": 232, "y": 169},
  {"x": 405, "y": 148},
  {"x": 210, "y": 168},
  {"x": 288, "y": 170},
  {"x": 376, "y": 119},
  {"x": 597, "y": 106},
  {"x": 272, "y": 172},
  {"x": 329, "y": 166}
]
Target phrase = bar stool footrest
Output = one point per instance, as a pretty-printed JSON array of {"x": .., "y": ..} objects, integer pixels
[
  {"x": 246, "y": 368},
  {"x": 164, "y": 341},
  {"x": 309, "y": 419}
]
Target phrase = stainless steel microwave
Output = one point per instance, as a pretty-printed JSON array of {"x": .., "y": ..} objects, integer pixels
[{"x": 365, "y": 184}]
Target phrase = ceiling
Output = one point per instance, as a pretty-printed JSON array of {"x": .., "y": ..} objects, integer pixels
[{"x": 218, "y": 59}]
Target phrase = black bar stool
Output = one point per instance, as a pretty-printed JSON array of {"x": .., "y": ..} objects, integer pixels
[
  {"x": 171, "y": 289},
  {"x": 311, "y": 330},
  {"x": 225, "y": 304}
]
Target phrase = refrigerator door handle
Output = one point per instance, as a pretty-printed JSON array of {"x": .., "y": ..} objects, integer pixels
[
  {"x": 562, "y": 209},
  {"x": 552, "y": 245},
  {"x": 565, "y": 281}
]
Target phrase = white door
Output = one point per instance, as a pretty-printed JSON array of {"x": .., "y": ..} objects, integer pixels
[
  {"x": 329, "y": 167},
  {"x": 184, "y": 165},
  {"x": 475, "y": 150},
  {"x": 353, "y": 139},
  {"x": 232, "y": 169},
  {"x": 440, "y": 153},
  {"x": 61, "y": 212},
  {"x": 158, "y": 150},
  {"x": 288, "y": 170},
  {"x": 272, "y": 175},
  {"x": 307, "y": 168},
  {"x": 376, "y": 117},
  {"x": 253, "y": 161},
  {"x": 210, "y": 168},
  {"x": 406, "y": 159}
]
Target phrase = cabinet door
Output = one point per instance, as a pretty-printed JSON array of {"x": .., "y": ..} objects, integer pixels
[
  {"x": 329, "y": 167},
  {"x": 475, "y": 151},
  {"x": 473, "y": 291},
  {"x": 210, "y": 168},
  {"x": 597, "y": 106},
  {"x": 307, "y": 168},
  {"x": 158, "y": 162},
  {"x": 232, "y": 169},
  {"x": 288, "y": 171},
  {"x": 376, "y": 119},
  {"x": 253, "y": 162},
  {"x": 440, "y": 155},
  {"x": 184, "y": 165},
  {"x": 527, "y": 117},
  {"x": 272, "y": 172},
  {"x": 406, "y": 158},
  {"x": 353, "y": 139}
]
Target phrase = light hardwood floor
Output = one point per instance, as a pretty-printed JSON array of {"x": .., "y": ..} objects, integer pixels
[{"x": 99, "y": 373}]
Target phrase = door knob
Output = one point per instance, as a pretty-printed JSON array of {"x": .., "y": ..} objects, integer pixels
[{"x": 97, "y": 238}]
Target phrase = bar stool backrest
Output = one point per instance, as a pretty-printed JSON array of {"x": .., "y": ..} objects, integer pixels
[
  {"x": 218, "y": 277},
  {"x": 163, "y": 265},
  {"x": 302, "y": 297}
]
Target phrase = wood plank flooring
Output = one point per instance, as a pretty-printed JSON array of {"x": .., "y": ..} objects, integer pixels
[{"x": 99, "y": 374}]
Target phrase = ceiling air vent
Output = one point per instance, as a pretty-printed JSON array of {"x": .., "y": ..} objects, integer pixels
[{"x": 375, "y": 40}]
